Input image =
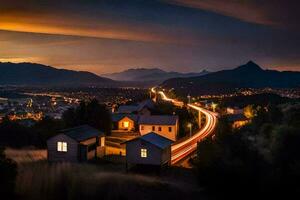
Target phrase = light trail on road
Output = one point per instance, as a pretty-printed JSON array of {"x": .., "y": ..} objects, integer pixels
[{"x": 188, "y": 146}]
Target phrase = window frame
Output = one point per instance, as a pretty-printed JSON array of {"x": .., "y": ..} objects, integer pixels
[
  {"x": 127, "y": 124},
  {"x": 144, "y": 153},
  {"x": 62, "y": 146}
]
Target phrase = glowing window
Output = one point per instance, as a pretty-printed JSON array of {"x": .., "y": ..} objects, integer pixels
[
  {"x": 144, "y": 153},
  {"x": 125, "y": 124},
  {"x": 102, "y": 141},
  {"x": 62, "y": 146}
]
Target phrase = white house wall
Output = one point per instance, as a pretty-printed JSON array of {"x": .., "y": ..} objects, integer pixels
[{"x": 164, "y": 130}]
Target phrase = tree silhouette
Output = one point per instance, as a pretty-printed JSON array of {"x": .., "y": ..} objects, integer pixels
[{"x": 91, "y": 113}]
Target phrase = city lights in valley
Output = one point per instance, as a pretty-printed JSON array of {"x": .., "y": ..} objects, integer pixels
[{"x": 185, "y": 148}]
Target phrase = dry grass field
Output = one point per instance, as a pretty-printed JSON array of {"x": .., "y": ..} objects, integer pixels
[
  {"x": 26, "y": 155},
  {"x": 40, "y": 180},
  {"x": 106, "y": 179}
]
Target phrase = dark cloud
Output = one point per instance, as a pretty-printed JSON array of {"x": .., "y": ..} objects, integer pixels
[
  {"x": 181, "y": 35},
  {"x": 283, "y": 13}
]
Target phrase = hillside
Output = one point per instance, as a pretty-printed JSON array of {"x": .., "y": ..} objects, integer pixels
[
  {"x": 150, "y": 75},
  {"x": 249, "y": 75},
  {"x": 41, "y": 75}
]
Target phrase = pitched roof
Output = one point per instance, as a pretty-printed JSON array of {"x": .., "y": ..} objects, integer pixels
[
  {"x": 127, "y": 109},
  {"x": 155, "y": 139},
  {"x": 118, "y": 116},
  {"x": 81, "y": 133},
  {"x": 159, "y": 119},
  {"x": 136, "y": 107},
  {"x": 146, "y": 103}
]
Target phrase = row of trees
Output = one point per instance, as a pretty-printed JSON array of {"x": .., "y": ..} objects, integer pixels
[
  {"x": 92, "y": 113},
  {"x": 260, "y": 158}
]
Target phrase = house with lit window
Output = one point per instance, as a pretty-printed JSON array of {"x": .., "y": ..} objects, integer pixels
[
  {"x": 125, "y": 122},
  {"x": 164, "y": 125},
  {"x": 76, "y": 144},
  {"x": 148, "y": 149}
]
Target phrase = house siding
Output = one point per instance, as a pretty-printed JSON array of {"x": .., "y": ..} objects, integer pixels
[
  {"x": 133, "y": 153},
  {"x": 166, "y": 156},
  {"x": 164, "y": 130},
  {"x": 72, "y": 149}
]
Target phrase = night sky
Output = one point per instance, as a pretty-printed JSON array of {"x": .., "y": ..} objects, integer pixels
[{"x": 175, "y": 35}]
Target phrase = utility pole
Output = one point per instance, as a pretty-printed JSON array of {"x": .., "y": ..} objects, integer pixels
[
  {"x": 199, "y": 119},
  {"x": 190, "y": 126},
  {"x": 189, "y": 98}
]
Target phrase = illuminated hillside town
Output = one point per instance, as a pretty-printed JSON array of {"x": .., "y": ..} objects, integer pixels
[{"x": 161, "y": 99}]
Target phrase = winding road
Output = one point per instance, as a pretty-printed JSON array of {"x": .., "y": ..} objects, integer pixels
[{"x": 184, "y": 148}]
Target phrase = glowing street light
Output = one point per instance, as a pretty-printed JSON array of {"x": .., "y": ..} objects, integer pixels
[
  {"x": 214, "y": 105},
  {"x": 189, "y": 98},
  {"x": 190, "y": 125}
]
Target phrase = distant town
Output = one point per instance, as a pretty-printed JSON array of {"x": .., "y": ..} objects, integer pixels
[{"x": 149, "y": 99}]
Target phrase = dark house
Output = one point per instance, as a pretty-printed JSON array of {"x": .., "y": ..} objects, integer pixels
[
  {"x": 142, "y": 108},
  {"x": 149, "y": 149},
  {"x": 76, "y": 144}
]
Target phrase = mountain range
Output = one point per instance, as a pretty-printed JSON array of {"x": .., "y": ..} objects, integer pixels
[
  {"x": 32, "y": 74},
  {"x": 153, "y": 75},
  {"x": 249, "y": 75},
  {"x": 41, "y": 75}
]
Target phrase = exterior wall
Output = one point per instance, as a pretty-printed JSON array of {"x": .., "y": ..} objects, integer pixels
[
  {"x": 101, "y": 149},
  {"x": 121, "y": 124},
  {"x": 133, "y": 153},
  {"x": 164, "y": 130},
  {"x": 166, "y": 155},
  {"x": 55, "y": 156},
  {"x": 91, "y": 155}
]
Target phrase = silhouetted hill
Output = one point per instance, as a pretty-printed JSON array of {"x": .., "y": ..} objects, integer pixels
[
  {"x": 150, "y": 75},
  {"x": 39, "y": 75},
  {"x": 249, "y": 75}
]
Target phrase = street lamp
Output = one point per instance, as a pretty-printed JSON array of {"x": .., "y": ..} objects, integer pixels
[
  {"x": 214, "y": 105},
  {"x": 190, "y": 126},
  {"x": 189, "y": 98}
]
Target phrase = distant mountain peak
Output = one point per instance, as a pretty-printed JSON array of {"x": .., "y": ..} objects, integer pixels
[
  {"x": 249, "y": 75},
  {"x": 155, "y": 75},
  {"x": 42, "y": 75},
  {"x": 250, "y": 66}
]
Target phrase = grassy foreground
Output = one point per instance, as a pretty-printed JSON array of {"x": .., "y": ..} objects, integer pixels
[{"x": 40, "y": 180}]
